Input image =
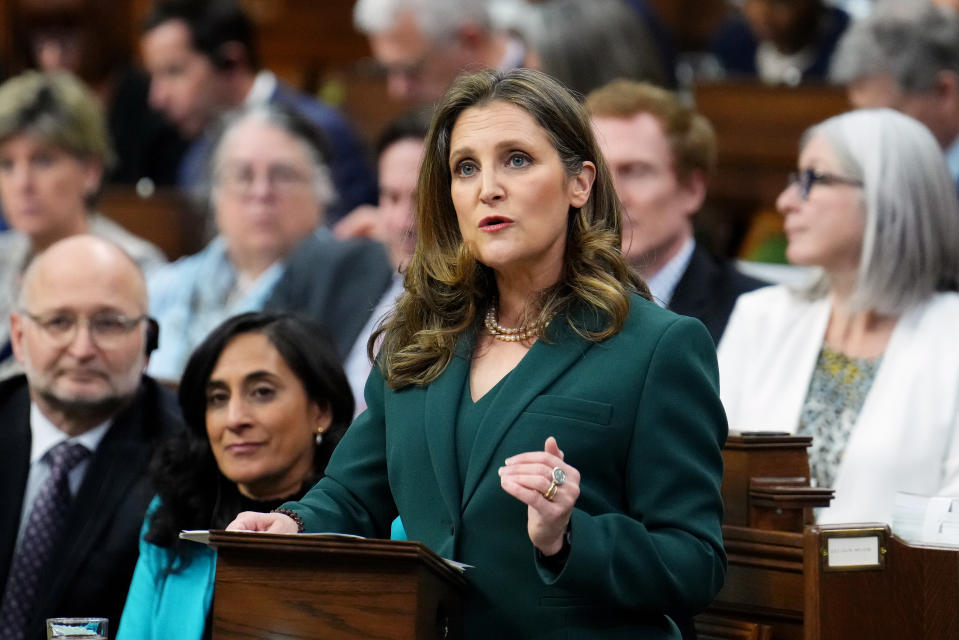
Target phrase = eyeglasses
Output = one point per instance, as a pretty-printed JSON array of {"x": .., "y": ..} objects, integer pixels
[
  {"x": 107, "y": 330},
  {"x": 281, "y": 178},
  {"x": 806, "y": 178}
]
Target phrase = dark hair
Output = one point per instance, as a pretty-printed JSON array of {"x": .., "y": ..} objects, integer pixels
[
  {"x": 412, "y": 124},
  {"x": 212, "y": 23},
  {"x": 193, "y": 493},
  {"x": 447, "y": 288}
]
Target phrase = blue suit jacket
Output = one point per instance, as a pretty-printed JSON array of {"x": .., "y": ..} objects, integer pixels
[{"x": 638, "y": 414}]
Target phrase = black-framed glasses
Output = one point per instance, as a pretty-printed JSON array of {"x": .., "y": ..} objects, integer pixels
[
  {"x": 806, "y": 178},
  {"x": 107, "y": 329}
]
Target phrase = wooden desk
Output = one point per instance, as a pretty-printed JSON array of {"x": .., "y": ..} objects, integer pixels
[{"x": 785, "y": 582}]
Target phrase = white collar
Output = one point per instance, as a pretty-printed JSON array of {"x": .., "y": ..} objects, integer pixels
[
  {"x": 262, "y": 90},
  {"x": 45, "y": 435},
  {"x": 663, "y": 283}
]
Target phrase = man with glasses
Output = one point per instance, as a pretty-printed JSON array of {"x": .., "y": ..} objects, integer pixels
[
  {"x": 269, "y": 190},
  {"x": 79, "y": 427}
]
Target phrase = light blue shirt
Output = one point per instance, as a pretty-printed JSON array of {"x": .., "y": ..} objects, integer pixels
[
  {"x": 663, "y": 283},
  {"x": 193, "y": 295},
  {"x": 952, "y": 160}
]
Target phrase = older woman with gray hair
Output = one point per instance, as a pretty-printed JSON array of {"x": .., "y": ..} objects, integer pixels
[
  {"x": 269, "y": 186},
  {"x": 53, "y": 152},
  {"x": 865, "y": 359}
]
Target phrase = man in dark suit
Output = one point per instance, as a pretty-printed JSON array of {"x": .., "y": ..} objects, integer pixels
[
  {"x": 202, "y": 59},
  {"x": 78, "y": 431},
  {"x": 660, "y": 154}
]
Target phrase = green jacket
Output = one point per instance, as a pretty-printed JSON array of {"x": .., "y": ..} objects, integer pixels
[{"x": 638, "y": 415}]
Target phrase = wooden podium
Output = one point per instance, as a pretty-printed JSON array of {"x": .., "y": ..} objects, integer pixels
[
  {"x": 791, "y": 580},
  {"x": 305, "y": 587}
]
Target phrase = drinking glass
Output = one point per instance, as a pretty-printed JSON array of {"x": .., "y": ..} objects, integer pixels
[{"x": 76, "y": 629}]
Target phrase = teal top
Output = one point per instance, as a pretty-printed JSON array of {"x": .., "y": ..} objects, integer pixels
[{"x": 165, "y": 604}]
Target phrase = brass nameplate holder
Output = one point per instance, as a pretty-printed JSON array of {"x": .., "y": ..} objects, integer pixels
[{"x": 862, "y": 549}]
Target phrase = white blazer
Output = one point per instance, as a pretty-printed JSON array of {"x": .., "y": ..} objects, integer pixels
[{"x": 905, "y": 436}]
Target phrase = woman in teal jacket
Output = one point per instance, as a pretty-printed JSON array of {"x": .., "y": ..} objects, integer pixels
[
  {"x": 532, "y": 413},
  {"x": 266, "y": 401}
]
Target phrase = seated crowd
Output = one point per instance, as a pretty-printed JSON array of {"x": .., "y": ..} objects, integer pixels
[{"x": 141, "y": 397}]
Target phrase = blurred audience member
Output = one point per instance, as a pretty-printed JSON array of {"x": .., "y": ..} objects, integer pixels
[
  {"x": 53, "y": 152},
  {"x": 423, "y": 44},
  {"x": 585, "y": 45},
  {"x": 266, "y": 402},
  {"x": 78, "y": 432},
  {"x": 269, "y": 188},
  {"x": 82, "y": 36},
  {"x": 399, "y": 152},
  {"x": 952, "y": 4},
  {"x": 907, "y": 58},
  {"x": 660, "y": 154},
  {"x": 865, "y": 360},
  {"x": 780, "y": 41},
  {"x": 202, "y": 58}
]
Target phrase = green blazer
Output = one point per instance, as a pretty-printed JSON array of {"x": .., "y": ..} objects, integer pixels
[{"x": 638, "y": 415}]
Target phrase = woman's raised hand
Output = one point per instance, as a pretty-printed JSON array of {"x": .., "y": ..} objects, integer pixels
[
  {"x": 549, "y": 487},
  {"x": 265, "y": 522}
]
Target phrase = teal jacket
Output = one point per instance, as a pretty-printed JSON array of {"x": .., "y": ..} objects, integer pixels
[
  {"x": 638, "y": 415},
  {"x": 163, "y": 604}
]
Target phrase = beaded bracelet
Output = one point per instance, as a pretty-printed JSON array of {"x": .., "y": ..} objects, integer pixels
[{"x": 292, "y": 515}]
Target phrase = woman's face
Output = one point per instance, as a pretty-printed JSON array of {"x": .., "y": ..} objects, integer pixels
[
  {"x": 260, "y": 422},
  {"x": 826, "y": 228},
  {"x": 43, "y": 187},
  {"x": 264, "y": 198},
  {"x": 511, "y": 192}
]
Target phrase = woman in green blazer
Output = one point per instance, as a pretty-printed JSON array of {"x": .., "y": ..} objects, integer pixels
[{"x": 531, "y": 413}]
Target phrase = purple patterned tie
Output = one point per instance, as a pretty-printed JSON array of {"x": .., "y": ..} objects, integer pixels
[{"x": 44, "y": 525}]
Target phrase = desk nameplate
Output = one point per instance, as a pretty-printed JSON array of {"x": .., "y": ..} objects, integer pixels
[{"x": 853, "y": 549}]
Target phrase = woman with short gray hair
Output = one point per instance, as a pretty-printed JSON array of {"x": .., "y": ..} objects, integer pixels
[
  {"x": 865, "y": 359},
  {"x": 53, "y": 152},
  {"x": 269, "y": 188}
]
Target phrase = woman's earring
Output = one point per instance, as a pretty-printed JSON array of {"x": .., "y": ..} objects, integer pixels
[{"x": 319, "y": 437}]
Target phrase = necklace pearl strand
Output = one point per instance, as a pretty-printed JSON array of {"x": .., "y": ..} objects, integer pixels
[{"x": 520, "y": 334}]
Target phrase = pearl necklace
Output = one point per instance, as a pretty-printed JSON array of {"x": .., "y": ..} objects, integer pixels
[{"x": 521, "y": 334}]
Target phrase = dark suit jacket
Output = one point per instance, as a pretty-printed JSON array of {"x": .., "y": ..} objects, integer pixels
[
  {"x": 708, "y": 290},
  {"x": 637, "y": 414},
  {"x": 93, "y": 562},
  {"x": 336, "y": 282},
  {"x": 735, "y": 45}
]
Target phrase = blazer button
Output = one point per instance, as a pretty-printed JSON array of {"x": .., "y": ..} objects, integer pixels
[{"x": 452, "y": 530}]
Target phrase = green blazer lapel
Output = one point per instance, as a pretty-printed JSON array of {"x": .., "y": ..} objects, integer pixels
[
  {"x": 441, "y": 407},
  {"x": 539, "y": 368}
]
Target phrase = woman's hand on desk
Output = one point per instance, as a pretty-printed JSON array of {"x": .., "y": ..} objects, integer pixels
[
  {"x": 530, "y": 478},
  {"x": 264, "y": 522}
]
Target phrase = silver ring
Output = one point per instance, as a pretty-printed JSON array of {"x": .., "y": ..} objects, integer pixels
[{"x": 559, "y": 476}]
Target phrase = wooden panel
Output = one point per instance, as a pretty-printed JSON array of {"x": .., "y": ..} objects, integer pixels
[
  {"x": 298, "y": 587},
  {"x": 164, "y": 219},
  {"x": 758, "y": 129},
  {"x": 915, "y": 595},
  {"x": 691, "y": 22}
]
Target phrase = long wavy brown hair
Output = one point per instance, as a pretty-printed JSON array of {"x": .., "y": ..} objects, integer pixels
[{"x": 448, "y": 290}]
